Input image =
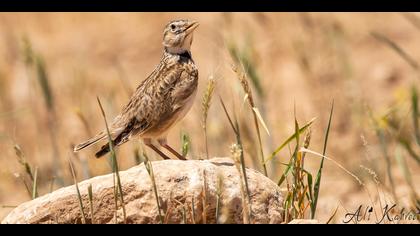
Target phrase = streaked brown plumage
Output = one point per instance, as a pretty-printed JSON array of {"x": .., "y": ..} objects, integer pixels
[{"x": 162, "y": 99}]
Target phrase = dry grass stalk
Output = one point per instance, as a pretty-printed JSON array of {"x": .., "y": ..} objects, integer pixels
[
  {"x": 219, "y": 190},
  {"x": 204, "y": 198},
  {"x": 149, "y": 169},
  {"x": 236, "y": 151},
  {"x": 205, "y": 105},
  {"x": 33, "y": 193},
  {"x": 245, "y": 85}
]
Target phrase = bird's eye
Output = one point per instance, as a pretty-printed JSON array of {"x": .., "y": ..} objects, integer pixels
[{"x": 173, "y": 27}]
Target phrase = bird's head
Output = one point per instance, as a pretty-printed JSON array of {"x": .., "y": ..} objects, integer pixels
[{"x": 178, "y": 36}]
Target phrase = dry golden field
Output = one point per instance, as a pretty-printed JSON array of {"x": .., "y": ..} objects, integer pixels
[{"x": 368, "y": 63}]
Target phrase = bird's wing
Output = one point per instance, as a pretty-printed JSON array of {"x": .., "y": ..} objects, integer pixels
[
  {"x": 154, "y": 100},
  {"x": 134, "y": 117},
  {"x": 185, "y": 87},
  {"x": 149, "y": 103},
  {"x": 132, "y": 128}
]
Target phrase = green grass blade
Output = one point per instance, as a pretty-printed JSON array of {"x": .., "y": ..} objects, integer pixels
[
  {"x": 90, "y": 194},
  {"x": 235, "y": 128},
  {"x": 27, "y": 187},
  {"x": 383, "y": 143},
  {"x": 243, "y": 167},
  {"x": 403, "y": 54},
  {"x": 319, "y": 174},
  {"x": 327, "y": 132},
  {"x": 407, "y": 145},
  {"x": 137, "y": 157},
  {"x": 287, "y": 205},
  {"x": 406, "y": 173},
  {"x": 51, "y": 188},
  {"x": 44, "y": 82},
  {"x": 114, "y": 161},
  {"x": 309, "y": 181},
  {"x": 295, "y": 170},
  {"x": 79, "y": 197},
  {"x": 149, "y": 168},
  {"x": 186, "y": 144},
  {"x": 228, "y": 116},
  {"x": 415, "y": 113},
  {"x": 297, "y": 132},
  {"x": 286, "y": 172},
  {"x": 289, "y": 140}
]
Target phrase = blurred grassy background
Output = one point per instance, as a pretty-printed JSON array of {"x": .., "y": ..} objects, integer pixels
[{"x": 293, "y": 59}]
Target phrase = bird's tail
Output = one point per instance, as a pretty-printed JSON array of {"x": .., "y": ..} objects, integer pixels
[
  {"x": 104, "y": 150},
  {"x": 90, "y": 142}
]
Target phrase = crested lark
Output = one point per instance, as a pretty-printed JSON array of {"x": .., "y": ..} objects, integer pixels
[{"x": 162, "y": 99}]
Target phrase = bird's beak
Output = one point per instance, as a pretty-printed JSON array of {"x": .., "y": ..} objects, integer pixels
[{"x": 191, "y": 27}]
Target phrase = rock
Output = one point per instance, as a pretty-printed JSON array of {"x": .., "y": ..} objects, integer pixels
[
  {"x": 180, "y": 186},
  {"x": 303, "y": 221}
]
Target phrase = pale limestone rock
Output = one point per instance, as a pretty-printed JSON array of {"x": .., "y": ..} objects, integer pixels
[{"x": 179, "y": 183}]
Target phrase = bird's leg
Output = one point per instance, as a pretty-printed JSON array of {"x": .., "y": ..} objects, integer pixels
[
  {"x": 164, "y": 144},
  {"x": 148, "y": 143},
  {"x": 158, "y": 151}
]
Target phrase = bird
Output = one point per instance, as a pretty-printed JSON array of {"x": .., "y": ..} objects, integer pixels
[{"x": 161, "y": 100}]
